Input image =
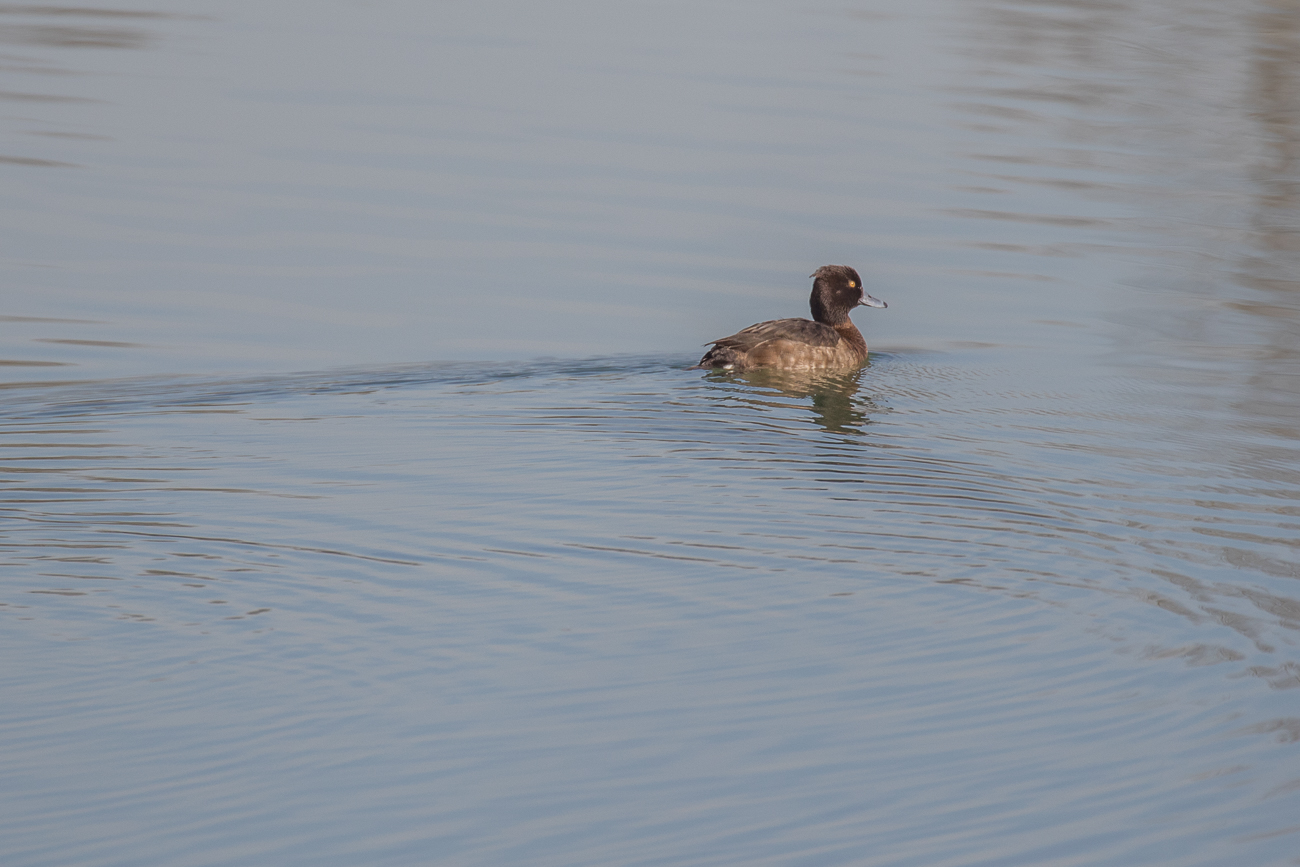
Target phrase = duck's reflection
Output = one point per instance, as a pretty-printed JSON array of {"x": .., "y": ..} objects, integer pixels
[{"x": 836, "y": 402}]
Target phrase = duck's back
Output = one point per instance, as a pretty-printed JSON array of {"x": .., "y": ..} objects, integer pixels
[{"x": 787, "y": 343}]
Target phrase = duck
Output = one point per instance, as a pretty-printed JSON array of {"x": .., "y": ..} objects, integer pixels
[{"x": 828, "y": 340}]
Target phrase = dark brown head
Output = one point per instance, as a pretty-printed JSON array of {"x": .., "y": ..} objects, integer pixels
[{"x": 837, "y": 289}]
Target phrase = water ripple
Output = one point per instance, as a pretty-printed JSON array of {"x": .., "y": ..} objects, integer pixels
[{"x": 1018, "y": 562}]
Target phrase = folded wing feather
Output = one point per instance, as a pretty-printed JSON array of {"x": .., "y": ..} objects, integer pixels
[{"x": 795, "y": 330}]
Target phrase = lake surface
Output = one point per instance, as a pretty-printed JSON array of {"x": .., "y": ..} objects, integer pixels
[{"x": 360, "y": 507}]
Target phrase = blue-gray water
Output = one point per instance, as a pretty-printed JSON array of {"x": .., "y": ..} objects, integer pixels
[{"x": 359, "y": 506}]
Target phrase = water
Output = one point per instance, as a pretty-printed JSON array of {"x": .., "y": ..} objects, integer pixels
[{"x": 359, "y": 506}]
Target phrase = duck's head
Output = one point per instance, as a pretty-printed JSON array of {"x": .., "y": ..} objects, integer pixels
[{"x": 837, "y": 289}]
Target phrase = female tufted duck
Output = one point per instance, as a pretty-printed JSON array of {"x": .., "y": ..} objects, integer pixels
[{"x": 830, "y": 341}]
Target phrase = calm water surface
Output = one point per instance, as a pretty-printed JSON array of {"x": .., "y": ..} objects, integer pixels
[{"x": 359, "y": 507}]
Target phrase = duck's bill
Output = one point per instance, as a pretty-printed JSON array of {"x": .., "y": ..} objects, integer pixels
[{"x": 868, "y": 301}]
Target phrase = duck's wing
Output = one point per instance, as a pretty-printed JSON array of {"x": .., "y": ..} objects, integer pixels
[{"x": 803, "y": 331}]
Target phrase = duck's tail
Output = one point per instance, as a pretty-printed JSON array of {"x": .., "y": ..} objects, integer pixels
[{"x": 718, "y": 358}]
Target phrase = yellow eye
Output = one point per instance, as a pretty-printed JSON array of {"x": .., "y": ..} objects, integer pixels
[{"x": 853, "y": 285}]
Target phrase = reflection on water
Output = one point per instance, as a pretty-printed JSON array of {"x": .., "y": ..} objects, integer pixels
[
  {"x": 1192, "y": 129},
  {"x": 1275, "y": 106},
  {"x": 833, "y": 397},
  {"x": 1022, "y": 594}
]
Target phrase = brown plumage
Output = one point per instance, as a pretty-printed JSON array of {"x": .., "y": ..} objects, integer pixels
[{"x": 831, "y": 341}]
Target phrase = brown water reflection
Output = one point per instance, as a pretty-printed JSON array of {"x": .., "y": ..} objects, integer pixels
[
  {"x": 835, "y": 401},
  {"x": 1186, "y": 117},
  {"x": 16, "y": 31},
  {"x": 1275, "y": 105}
]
